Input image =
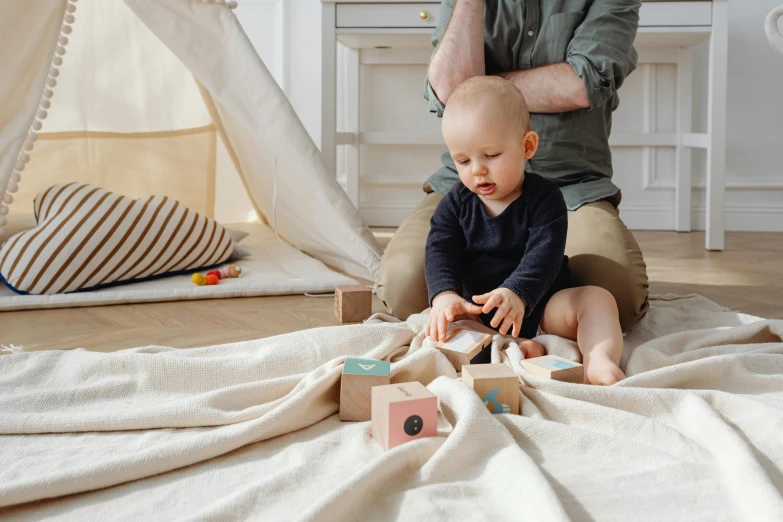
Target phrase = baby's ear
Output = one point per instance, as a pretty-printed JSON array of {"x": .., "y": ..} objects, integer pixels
[{"x": 530, "y": 144}]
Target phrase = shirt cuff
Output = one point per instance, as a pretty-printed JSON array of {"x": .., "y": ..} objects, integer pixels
[
  {"x": 436, "y": 106},
  {"x": 598, "y": 89}
]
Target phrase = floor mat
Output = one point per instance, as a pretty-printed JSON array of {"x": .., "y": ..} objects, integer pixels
[{"x": 273, "y": 268}]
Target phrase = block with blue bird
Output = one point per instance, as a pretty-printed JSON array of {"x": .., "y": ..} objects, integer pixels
[{"x": 496, "y": 385}]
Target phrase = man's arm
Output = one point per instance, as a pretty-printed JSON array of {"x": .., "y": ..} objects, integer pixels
[
  {"x": 601, "y": 51},
  {"x": 459, "y": 51},
  {"x": 599, "y": 57},
  {"x": 551, "y": 88}
]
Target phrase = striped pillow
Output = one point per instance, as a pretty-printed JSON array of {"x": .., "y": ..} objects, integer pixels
[{"x": 88, "y": 238}]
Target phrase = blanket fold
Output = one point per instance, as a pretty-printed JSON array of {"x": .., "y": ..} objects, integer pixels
[{"x": 248, "y": 430}]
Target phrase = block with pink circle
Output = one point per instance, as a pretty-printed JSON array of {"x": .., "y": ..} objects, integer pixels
[{"x": 403, "y": 412}]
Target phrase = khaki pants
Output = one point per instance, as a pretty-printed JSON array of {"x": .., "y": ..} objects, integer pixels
[{"x": 601, "y": 250}]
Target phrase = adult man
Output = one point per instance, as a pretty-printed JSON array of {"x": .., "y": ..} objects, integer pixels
[{"x": 569, "y": 58}]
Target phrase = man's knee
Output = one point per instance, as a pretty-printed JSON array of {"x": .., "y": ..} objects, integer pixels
[
  {"x": 603, "y": 253},
  {"x": 401, "y": 290},
  {"x": 401, "y": 284}
]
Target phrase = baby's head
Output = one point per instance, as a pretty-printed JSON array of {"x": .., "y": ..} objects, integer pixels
[{"x": 486, "y": 126}]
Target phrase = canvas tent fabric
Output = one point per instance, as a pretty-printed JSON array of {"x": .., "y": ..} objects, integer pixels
[{"x": 165, "y": 97}]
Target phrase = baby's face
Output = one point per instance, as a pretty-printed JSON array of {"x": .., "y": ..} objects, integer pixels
[{"x": 488, "y": 150}]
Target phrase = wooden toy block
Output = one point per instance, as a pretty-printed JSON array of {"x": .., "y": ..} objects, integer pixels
[
  {"x": 403, "y": 412},
  {"x": 466, "y": 347},
  {"x": 496, "y": 384},
  {"x": 554, "y": 367},
  {"x": 352, "y": 303},
  {"x": 359, "y": 376}
]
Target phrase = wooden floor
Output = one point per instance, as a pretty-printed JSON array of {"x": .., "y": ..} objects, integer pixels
[{"x": 746, "y": 277}]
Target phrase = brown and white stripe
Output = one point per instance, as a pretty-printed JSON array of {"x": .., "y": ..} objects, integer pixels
[{"x": 88, "y": 236}]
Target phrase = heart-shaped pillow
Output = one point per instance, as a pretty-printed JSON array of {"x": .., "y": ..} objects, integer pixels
[{"x": 89, "y": 238}]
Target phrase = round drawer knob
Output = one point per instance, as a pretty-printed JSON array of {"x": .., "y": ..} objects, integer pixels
[{"x": 424, "y": 15}]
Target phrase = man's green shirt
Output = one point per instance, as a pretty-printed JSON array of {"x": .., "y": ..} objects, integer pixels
[{"x": 596, "y": 38}]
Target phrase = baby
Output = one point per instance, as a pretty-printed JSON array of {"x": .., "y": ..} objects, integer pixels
[{"x": 497, "y": 239}]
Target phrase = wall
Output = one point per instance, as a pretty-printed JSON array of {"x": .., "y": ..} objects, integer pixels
[
  {"x": 754, "y": 165},
  {"x": 286, "y": 35},
  {"x": 288, "y": 38}
]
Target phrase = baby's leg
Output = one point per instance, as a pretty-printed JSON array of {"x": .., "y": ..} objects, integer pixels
[{"x": 589, "y": 316}]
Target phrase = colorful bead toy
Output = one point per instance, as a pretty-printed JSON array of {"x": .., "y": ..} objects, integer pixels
[
  {"x": 213, "y": 277},
  {"x": 230, "y": 271}
]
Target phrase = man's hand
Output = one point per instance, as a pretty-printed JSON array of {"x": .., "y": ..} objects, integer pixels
[
  {"x": 511, "y": 309},
  {"x": 448, "y": 307}
]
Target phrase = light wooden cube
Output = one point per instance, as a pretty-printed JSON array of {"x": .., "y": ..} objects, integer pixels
[
  {"x": 554, "y": 367},
  {"x": 359, "y": 377},
  {"x": 496, "y": 384},
  {"x": 466, "y": 347},
  {"x": 403, "y": 412},
  {"x": 352, "y": 303}
]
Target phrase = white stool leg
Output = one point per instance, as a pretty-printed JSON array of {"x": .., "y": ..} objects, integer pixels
[{"x": 716, "y": 126}]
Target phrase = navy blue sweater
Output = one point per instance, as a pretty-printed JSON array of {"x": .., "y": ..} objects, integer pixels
[{"x": 522, "y": 249}]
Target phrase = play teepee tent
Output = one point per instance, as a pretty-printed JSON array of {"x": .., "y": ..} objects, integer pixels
[{"x": 167, "y": 97}]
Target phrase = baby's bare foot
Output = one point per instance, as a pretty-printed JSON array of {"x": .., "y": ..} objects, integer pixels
[
  {"x": 601, "y": 370},
  {"x": 531, "y": 348}
]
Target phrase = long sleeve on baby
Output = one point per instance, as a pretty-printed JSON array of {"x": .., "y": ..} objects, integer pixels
[{"x": 522, "y": 249}]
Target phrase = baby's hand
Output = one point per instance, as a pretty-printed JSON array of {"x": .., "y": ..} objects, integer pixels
[
  {"x": 511, "y": 309},
  {"x": 448, "y": 307}
]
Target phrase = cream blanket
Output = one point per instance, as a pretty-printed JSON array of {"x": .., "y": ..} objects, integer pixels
[{"x": 248, "y": 431}]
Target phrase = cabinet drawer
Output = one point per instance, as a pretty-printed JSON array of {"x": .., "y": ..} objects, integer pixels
[
  {"x": 422, "y": 15},
  {"x": 668, "y": 14},
  {"x": 653, "y": 13}
]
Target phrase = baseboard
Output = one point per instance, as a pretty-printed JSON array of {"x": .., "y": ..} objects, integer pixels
[
  {"x": 745, "y": 219},
  {"x": 737, "y": 219},
  {"x": 647, "y": 217}
]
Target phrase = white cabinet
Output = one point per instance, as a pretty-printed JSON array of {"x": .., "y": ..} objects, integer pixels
[{"x": 380, "y": 139}]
